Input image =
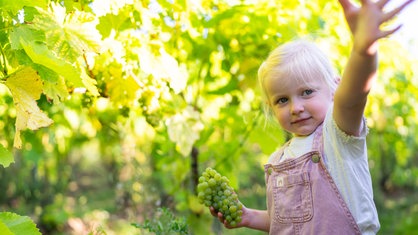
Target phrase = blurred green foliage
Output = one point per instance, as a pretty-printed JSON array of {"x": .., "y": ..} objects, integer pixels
[{"x": 168, "y": 89}]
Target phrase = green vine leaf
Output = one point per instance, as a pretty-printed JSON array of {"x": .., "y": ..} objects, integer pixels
[
  {"x": 6, "y": 158},
  {"x": 24, "y": 31},
  {"x": 14, "y": 224},
  {"x": 122, "y": 90},
  {"x": 68, "y": 35},
  {"x": 15, "y": 6},
  {"x": 54, "y": 84},
  {"x": 40, "y": 54},
  {"x": 89, "y": 83},
  {"x": 26, "y": 87},
  {"x": 4, "y": 229}
]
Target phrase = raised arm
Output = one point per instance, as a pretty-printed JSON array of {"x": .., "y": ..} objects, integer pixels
[{"x": 351, "y": 95}]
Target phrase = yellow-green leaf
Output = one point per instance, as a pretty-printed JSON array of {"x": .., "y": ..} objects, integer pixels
[
  {"x": 122, "y": 90},
  {"x": 71, "y": 34},
  {"x": 5, "y": 157},
  {"x": 26, "y": 87},
  {"x": 40, "y": 54},
  {"x": 89, "y": 83},
  {"x": 11, "y": 223},
  {"x": 15, "y": 6},
  {"x": 55, "y": 89},
  {"x": 4, "y": 229}
]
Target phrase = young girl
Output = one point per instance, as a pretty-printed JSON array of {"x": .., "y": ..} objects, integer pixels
[{"x": 319, "y": 182}]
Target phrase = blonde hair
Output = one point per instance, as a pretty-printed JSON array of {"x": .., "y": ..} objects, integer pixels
[{"x": 296, "y": 61}]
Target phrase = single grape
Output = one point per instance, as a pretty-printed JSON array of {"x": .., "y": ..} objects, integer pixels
[
  {"x": 208, "y": 203},
  {"x": 212, "y": 182},
  {"x": 208, "y": 191},
  {"x": 202, "y": 179}
]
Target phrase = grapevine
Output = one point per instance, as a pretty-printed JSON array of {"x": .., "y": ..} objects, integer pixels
[{"x": 214, "y": 191}]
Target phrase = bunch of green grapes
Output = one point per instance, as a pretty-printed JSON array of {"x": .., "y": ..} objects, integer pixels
[{"x": 214, "y": 190}]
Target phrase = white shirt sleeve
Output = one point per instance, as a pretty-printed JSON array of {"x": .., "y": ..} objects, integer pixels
[{"x": 347, "y": 162}]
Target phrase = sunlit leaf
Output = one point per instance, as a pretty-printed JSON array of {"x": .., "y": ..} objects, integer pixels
[
  {"x": 110, "y": 22},
  {"x": 4, "y": 229},
  {"x": 40, "y": 54},
  {"x": 26, "y": 87},
  {"x": 89, "y": 83},
  {"x": 163, "y": 66},
  {"x": 54, "y": 84},
  {"x": 17, "y": 224},
  {"x": 15, "y": 6},
  {"x": 184, "y": 129},
  {"x": 27, "y": 33},
  {"x": 122, "y": 90},
  {"x": 68, "y": 35}
]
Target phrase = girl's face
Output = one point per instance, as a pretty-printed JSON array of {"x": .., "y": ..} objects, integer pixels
[{"x": 299, "y": 107}]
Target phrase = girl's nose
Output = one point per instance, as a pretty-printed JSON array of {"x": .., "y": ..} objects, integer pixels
[{"x": 297, "y": 107}]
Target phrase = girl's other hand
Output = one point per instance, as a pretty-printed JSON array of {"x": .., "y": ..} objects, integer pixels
[{"x": 224, "y": 222}]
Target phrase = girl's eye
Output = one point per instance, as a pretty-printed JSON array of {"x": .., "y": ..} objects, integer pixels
[
  {"x": 281, "y": 100},
  {"x": 307, "y": 92}
]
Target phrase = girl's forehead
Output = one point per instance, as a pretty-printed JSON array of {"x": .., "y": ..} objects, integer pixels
[{"x": 286, "y": 83}]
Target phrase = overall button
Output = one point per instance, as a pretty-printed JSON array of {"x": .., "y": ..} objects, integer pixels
[
  {"x": 270, "y": 170},
  {"x": 315, "y": 158}
]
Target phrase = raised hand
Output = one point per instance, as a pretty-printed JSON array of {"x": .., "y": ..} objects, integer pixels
[{"x": 365, "y": 22}]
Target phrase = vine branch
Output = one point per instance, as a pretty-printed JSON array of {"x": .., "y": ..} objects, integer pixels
[{"x": 4, "y": 62}]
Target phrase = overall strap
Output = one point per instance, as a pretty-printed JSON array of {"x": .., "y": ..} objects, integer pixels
[{"x": 318, "y": 143}]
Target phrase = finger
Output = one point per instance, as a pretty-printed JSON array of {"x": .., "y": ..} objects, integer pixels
[
  {"x": 227, "y": 225},
  {"x": 212, "y": 211},
  {"x": 221, "y": 217},
  {"x": 382, "y": 3},
  {"x": 389, "y": 15},
  {"x": 364, "y": 2},
  {"x": 389, "y": 32},
  {"x": 346, "y": 4}
]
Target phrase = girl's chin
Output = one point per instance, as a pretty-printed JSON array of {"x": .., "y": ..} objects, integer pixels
[{"x": 303, "y": 133}]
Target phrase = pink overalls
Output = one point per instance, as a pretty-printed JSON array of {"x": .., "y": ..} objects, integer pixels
[{"x": 302, "y": 198}]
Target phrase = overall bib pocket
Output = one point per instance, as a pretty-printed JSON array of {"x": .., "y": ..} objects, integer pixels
[{"x": 292, "y": 197}]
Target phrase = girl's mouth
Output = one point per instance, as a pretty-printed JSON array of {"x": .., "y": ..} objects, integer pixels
[{"x": 300, "y": 120}]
